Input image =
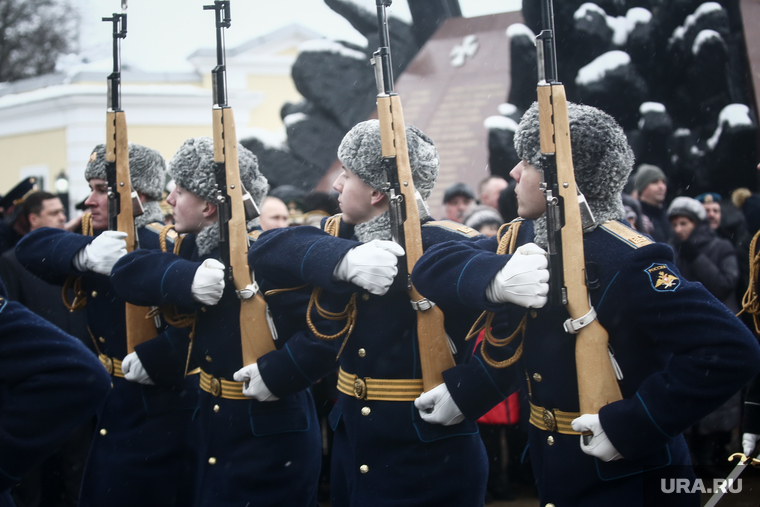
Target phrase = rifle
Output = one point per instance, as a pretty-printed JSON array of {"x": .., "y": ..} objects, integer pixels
[
  {"x": 235, "y": 206},
  {"x": 435, "y": 353},
  {"x": 566, "y": 214},
  {"x": 123, "y": 202}
]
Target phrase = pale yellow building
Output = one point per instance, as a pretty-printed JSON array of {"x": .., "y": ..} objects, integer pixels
[{"x": 49, "y": 124}]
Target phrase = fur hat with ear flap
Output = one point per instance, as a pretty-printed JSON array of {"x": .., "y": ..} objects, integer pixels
[
  {"x": 602, "y": 158},
  {"x": 361, "y": 153},
  {"x": 192, "y": 168},
  {"x": 147, "y": 169}
]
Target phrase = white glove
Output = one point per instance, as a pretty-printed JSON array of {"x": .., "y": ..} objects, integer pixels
[
  {"x": 438, "y": 407},
  {"x": 599, "y": 445},
  {"x": 134, "y": 371},
  {"x": 208, "y": 282},
  {"x": 102, "y": 253},
  {"x": 371, "y": 266},
  {"x": 253, "y": 385},
  {"x": 524, "y": 280},
  {"x": 749, "y": 443}
]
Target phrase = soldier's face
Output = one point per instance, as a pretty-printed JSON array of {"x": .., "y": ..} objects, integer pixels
[
  {"x": 531, "y": 203},
  {"x": 355, "y": 199},
  {"x": 191, "y": 213},
  {"x": 97, "y": 203}
]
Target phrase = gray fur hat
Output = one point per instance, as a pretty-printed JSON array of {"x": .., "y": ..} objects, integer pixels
[
  {"x": 360, "y": 152},
  {"x": 192, "y": 168},
  {"x": 147, "y": 169},
  {"x": 602, "y": 157},
  {"x": 687, "y": 207}
]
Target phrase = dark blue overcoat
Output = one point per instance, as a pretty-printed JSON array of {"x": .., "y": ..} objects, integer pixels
[
  {"x": 140, "y": 452},
  {"x": 383, "y": 453},
  {"x": 682, "y": 354}
]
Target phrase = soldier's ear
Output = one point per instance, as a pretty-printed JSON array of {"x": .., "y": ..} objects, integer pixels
[
  {"x": 209, "y": 209},
  {"x": 377, "y": 197}
]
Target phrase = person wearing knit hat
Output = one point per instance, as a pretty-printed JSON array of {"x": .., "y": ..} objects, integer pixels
[
  {"x": 354, "y": 262},
  {"x": 141, "y": 442},
  {"x": 702, "y": 256},
  {"x": 664, "y": 329},
  {"x": 651, "y": 186},
  {"x": 248, "y": 451},
  {"x": 484, "y": 219}
]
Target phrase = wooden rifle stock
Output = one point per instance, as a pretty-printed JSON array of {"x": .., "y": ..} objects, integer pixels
[
  {"x": 256, "y": 337},
  {"x": 139, "y": 328},
  {"x": 435, "y": 353},
  {"x": 597, "y": 384}
]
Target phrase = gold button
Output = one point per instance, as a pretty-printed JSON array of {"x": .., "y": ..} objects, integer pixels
[
  {"x": 537, "y": 377},
  {"x": 550, "y": 505},
  {"x": 208, "y": 358},
  {"x": 366, "y": 411},
  {"x": 365, "y": 297},
  {"x": 550, "y": 440},
  {"x": 103, "y": 431},
  {"x": 94, "y": 293},
  {"x": 102, "y": 340},
  {"x": 212, "y": 461},
  {"x": 216, "y": 408},
  {"x": 362, "y": 352},
  {"x": 364, "y": 469},
  {"x": 533, "y": 314},
  {"x": 203, "y": 308}
]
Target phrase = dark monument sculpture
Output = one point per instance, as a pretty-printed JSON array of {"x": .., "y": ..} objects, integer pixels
[{"x": 675, "y": 74}]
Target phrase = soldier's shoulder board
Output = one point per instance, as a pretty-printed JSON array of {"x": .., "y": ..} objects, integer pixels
[
  {"x": 453, "y": 226},
  {"x": 625, "y": 234},
  {"x": 254, "y": 235}
]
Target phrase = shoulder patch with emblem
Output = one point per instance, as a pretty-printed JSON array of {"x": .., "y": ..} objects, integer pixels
[
  {"x": 662, "y": 278},
  {"x": 625, "y": 234},
  {"x": 453, "y": 226}
]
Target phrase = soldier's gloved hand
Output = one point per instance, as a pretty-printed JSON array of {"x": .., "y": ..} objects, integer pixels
[
  {"x": 371, "y": 266},
  {"x": 438, "y": 407},
  {"x": 524, "y": 280},
  {"x": 749, "y": 443},
  {"x": 599, "y": 445},
  {"x": 134, "y": 370},
  {"x": 208, "y": 282},
  {"x": 102, "y": 253},
  {"x": 253, "y": 385}
]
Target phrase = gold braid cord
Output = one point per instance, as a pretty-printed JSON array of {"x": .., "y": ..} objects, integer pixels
[
  {"x": 750, "y": 302},
  {"x": 332, "y": 227},
  {"x": 75, "y": 282},
  {"x": 169, "y": 312},
  {"x": 507, "y": 237}
]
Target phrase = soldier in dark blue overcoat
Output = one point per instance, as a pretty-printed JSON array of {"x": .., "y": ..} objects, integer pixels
[
  {"x": 678, "y": 352},
  {"x": 140, "y": 450},
  {"x": 249, "y": 452},
  {"x": 51, "y": 384},
  {"x": 384, "y": 454}
]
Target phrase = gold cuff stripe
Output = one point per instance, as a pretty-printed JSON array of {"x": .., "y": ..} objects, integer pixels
[
  {"x": 222, "y": 388},
  {"x": 379, "y": 389},
  {"x": 560, "y": 421},
  {"x": 112, "y": 365}
]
